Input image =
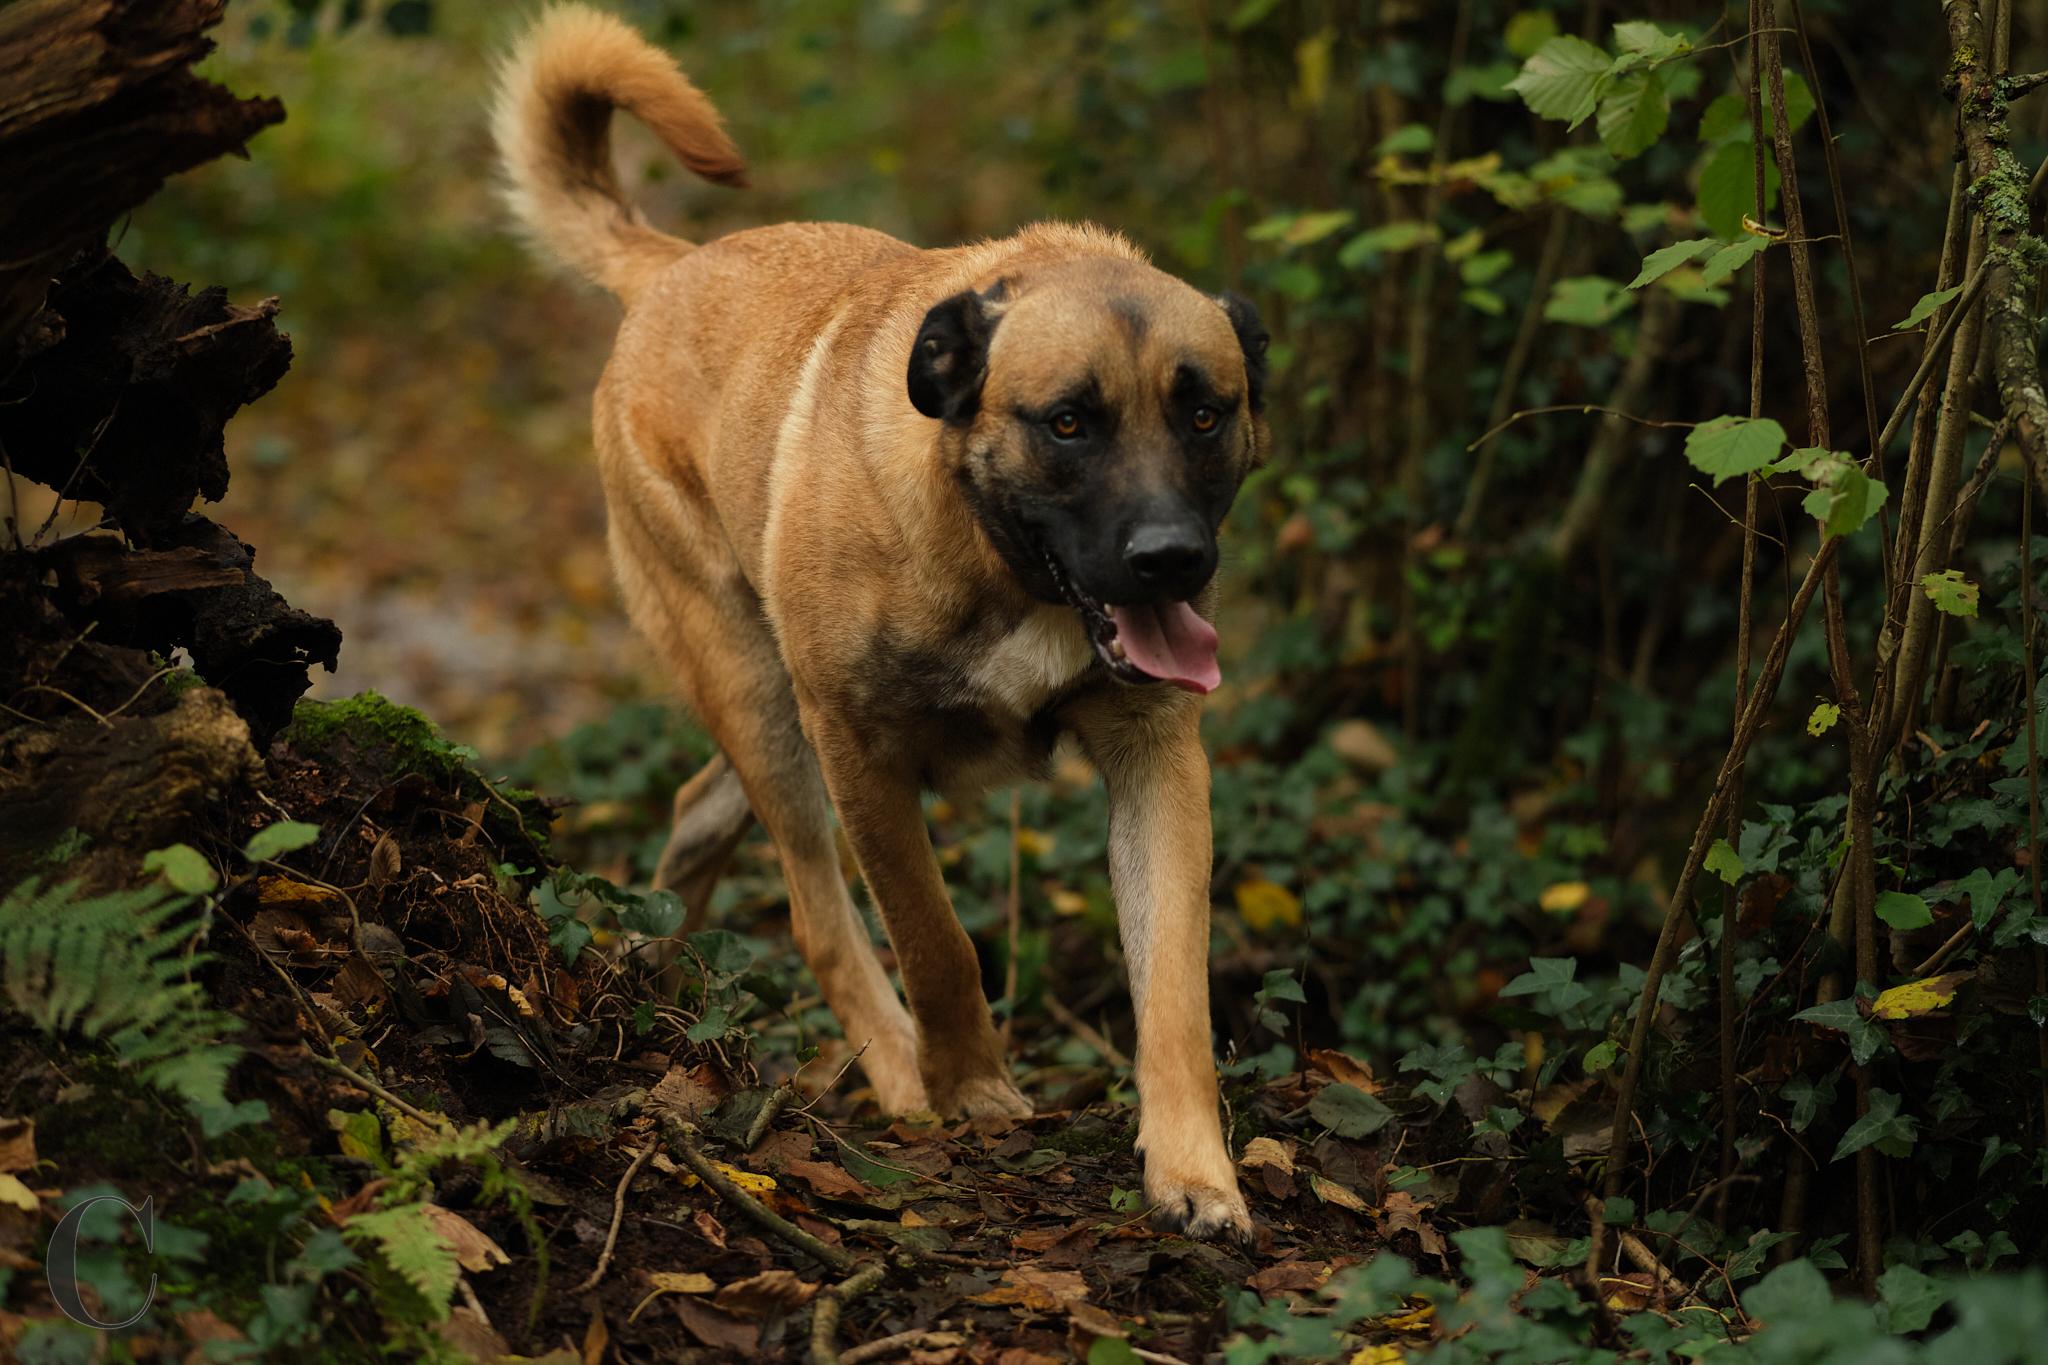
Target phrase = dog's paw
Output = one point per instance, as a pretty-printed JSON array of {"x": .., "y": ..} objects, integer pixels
[
  {"x": 984, "y": 1096},
  {"x": 1198, "y": 1210}
]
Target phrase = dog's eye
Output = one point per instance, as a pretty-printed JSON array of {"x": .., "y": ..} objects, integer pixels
[
  {"x": 1066, "y": 424},
  {"x": 1204, "y": 420}
]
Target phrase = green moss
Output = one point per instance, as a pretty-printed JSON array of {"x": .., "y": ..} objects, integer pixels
[
  {"x": 1097, "y": 1137},
  {"x": 373, "y": 723}
]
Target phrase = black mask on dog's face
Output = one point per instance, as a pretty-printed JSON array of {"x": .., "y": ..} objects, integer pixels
[{"x": 1101, "y": 420}]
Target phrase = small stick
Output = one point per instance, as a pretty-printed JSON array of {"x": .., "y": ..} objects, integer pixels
[
  {"x": 777, "y": 1100},
  {"x": 1085, "y": 1031},
  {"x": 883, "y": 1347},
  {"x": 680, "y": 1139},
  {"x": 438, "y": 1122},
  {"x": 825, "y": 1311},
  {"x": 611, "y": 1238}
]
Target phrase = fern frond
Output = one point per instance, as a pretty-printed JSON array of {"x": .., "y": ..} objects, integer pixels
[{"x": 115, "y": 968}]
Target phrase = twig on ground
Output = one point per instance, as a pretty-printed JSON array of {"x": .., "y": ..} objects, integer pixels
[
  {"x": 1086, "y": 1032},
  {"x": 883, "y": 1347},
  {"x": 680, "y": 1137},
  {"x": 777, "y": 1100},
  {"x": 611, "y": 1237},
  {"x": 825, "y": 1310},
  {"x": 438, "y": 1122}
]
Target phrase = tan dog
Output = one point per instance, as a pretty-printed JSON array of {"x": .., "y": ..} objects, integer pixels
[{"x": 899, "y": 519}]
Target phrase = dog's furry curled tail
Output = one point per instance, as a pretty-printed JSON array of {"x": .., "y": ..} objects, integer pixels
[{"x": 551, "y": 119}]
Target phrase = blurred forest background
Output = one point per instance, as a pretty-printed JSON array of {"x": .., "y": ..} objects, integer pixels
[{"x": 1481, "y": 632}]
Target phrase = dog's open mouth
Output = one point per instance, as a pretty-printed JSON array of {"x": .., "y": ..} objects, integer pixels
[{"x": 1158, "y": 642}]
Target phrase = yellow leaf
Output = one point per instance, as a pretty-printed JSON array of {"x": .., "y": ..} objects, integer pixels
[
  {"x": 13, "y": 1192},
  {"x": 1378, "y": 1355},
  {"x": 1034, "y": 843},
  {"x": 750, "y": 1181},
  {"x": 1561, "y": 898},
  {"x": 681, "y": 1281},
  {"x": 1266, "y": 905},
  {"x": 1312, "y": 69},
  {"x": 1066, "y": 901},
  {"x": 1917, "y": 997}
]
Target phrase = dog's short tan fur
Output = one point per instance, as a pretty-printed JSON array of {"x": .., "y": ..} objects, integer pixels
[{"x": 791, "y": 533}]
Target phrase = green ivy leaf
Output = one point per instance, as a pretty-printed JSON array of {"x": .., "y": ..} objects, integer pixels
[
  {"x": 184, "y": 867},
  {"x": 1367, "y": 247},
  {"x": 1633, "y": 113},
  {"x": 281, "y": 838},
  {"x": 1724, "y": 862},
  {"x": 1348, "y": 1111},
  {"x": 1866, "y": 1038},
  {"x": 1729, "y": 447},
  {"x": 1666, "y": 259},
  {"x": 1951, "y": 592},
  {"x": 1562, "y": 78},
  {"x": 1823, "y": 718},
  {"x": 1906, "y": 1299},
  {"x": 1601, "y": 1056},
  {"x": 1882, "y": 1127},
  {"x": 658, "y": 915},
  {"x": 1925, "y": 308},
  {"x": 1902, "y": 911},
  {"x": 1986, "y": 892}
]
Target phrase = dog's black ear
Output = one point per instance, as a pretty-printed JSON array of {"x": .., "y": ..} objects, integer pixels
[
  {"x": 950, "y": 358},
  {"x": 1251, "y": 335}
]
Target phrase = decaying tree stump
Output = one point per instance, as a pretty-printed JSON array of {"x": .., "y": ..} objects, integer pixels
[{"x": 114, "y": 390}]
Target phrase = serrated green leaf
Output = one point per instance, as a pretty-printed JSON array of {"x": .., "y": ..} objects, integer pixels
[
  {"x": 1348, "y": 1111},
  {"x": 1724, "y": 862},
  {"x": 1902, "y": 911},
  {"x": 1925, "y": 308},
  {"x": 1633, "y": 113},
  {"x": 411, "y": 1246},
  {"x": 1823, "y": 718},
  {"x": 1846, "y": 501},
  {"x": 1951, "y": 592},
  {"x": 1730, "y": 447},
  {"x": 1587, "y": 301},
  {"x": 184, "y": 867},
  {"x": 1732, "y": 258},
  {"x": 1666, "y": 259},
  {"x": 1728, "y": 189},
  {"x": 1561, "y": 79},
  {"x": 1651, "y": 43},
  {"x": 279, "y": 839}
]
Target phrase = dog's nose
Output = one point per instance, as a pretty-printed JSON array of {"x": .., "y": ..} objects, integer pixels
[{"x": 1173, "y": 557}]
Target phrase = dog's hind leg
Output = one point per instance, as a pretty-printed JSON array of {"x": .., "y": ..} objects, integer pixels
[
  {"x": 711, "y": 817},
  {"x": 707, "y": 624}
]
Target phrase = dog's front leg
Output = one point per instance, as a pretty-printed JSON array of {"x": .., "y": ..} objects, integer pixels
[
  {"x": 1159, "y": 863},
  {"x": 958, "y": 1054}
]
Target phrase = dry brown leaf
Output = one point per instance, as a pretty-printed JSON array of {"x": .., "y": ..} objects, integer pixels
[
  {"x": 17, "y": 1145},
  {"x": 384, "y": 862},
  {"x": 1343, "y": 1196},
  {"x": 1268, "y": 1152},
  {"x": 472, "y": 1247},
  {"x": 276, "y": 892},
  {"x": 709, "y": 1228},
  {"x": 1289, "y": 1277},
  {"x": 827, "y": 1179},
  {"x": 716, "y": 1329},
  {"x": 681, "y": 1093},
  {"x": 1342, "y": 1066},
  {"x": 1035, "y": 1288},
  {"x": 764, "y": 1295}
]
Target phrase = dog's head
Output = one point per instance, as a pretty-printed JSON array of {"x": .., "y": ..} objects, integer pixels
[{"x": 1099, "y": 416}]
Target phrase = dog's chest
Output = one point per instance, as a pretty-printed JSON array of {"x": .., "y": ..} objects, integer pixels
[{"x": 1036, "y": 661}]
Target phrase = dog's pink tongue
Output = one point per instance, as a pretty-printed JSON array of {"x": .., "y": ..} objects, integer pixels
[{"x": 1170, "y": 642}]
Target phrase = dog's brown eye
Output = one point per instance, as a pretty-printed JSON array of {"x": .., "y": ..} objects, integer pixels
[
  {"x": 1204, "y": 420},
  {"x": 1066, "y": 425}
]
